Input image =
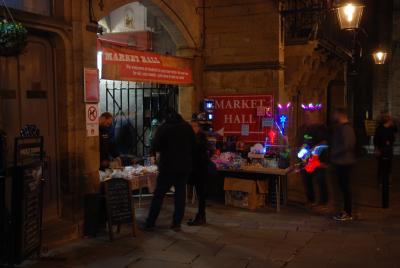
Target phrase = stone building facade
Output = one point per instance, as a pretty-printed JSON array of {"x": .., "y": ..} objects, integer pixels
[{"x": 237, "y": 47}]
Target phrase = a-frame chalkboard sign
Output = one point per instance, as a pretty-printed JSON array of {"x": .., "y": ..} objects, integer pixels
[
  {"x": 119, "y": 203},
  {"x": 27, "y": 194}
]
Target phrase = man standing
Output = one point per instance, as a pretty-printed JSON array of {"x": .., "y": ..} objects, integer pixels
[
  {"x": 384, "y": 139},
  {"x": 175, "y": 142},
  {"x": 108, "y": 151},
  {"x": 343, "y": 158}
]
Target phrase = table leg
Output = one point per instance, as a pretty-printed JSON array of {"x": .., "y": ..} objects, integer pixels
[
  {"x": 140, "y": 195},
  {"x": 285, "y": 189}
]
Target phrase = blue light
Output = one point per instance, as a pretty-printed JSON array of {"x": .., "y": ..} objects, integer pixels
[
  {"x": 303, "y": 153},
  {"x": 209, "y": 105},
  {"x": 283, "y": 120}
]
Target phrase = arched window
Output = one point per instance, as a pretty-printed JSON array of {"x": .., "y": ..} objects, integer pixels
[{"x": 42, "y": 7}]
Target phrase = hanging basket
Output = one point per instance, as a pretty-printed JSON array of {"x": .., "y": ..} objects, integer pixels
[{"x": 13, "y": 38}]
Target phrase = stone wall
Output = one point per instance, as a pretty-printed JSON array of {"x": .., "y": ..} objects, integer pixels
[
  {"x": 394, "y": 64},
  {"x": 241, "y": 53},
  {"x": 243, "y": 49}
]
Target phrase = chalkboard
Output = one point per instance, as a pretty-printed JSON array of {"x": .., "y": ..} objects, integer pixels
[
  {"x": 27, "y": 209},
  {"x": 120, "y": 209}
]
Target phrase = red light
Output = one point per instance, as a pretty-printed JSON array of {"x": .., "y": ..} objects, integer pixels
[
  {"x": 312, "y": 164},
  {"x": 272, "y": 136}
]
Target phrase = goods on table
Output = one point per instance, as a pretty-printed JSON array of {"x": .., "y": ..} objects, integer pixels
[
  {"x": 228, "y": 160},
  {"x": 140, "y": 176}
]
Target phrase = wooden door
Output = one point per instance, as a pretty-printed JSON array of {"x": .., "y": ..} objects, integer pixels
[{"x": 28, "y": 97}]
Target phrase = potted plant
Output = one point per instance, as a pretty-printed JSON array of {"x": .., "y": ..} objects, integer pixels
[{"x": 13, "y": 38}]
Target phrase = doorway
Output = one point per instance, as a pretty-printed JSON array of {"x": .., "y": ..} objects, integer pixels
[{"x": 28, "y": 97}]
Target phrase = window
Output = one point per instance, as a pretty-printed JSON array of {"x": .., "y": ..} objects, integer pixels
[{"x": 42, "y": 7}]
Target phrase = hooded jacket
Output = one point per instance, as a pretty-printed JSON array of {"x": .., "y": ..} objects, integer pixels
[{"x": 175, "y": 141}]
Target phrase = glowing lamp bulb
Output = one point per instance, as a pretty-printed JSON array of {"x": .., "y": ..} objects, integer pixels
[
  {"x": 349, "y": 12},
  {"x": 280, "y": 106}
]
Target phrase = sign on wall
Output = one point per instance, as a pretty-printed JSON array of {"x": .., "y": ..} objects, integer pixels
[
  {"x": 243, "y": 116},
  {"x": 139, "y": 66},
  {"x": 91, "y": 77},
  {"x": 92, "y": 120}
]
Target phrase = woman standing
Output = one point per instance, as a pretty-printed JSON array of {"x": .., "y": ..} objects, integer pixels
[{"x": 199, "y": 176}]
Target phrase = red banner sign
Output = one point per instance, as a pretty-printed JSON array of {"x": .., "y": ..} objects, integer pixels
[
  {"x": 243, "y": 116},
  {"x": 139, "y": 66}
]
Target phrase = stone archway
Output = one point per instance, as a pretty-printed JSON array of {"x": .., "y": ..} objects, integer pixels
[
  {"x": 180, "y": 20},
  {"x": 183, "y": 23}
]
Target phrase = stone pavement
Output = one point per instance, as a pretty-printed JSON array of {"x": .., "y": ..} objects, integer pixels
[
  {"x": 239, "y": 238},
  {"x": 244, "y": 239}
]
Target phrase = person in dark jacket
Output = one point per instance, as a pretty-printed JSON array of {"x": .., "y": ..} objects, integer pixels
[
  {"x": 199, "y": 175},
  {"x": 342, "y": 156},
  {"x": 314, "y": 133},
  {"x": 384, "y": 138},
  {"x": 175, "y": 142},
  {"x": 108, "y": 151}
]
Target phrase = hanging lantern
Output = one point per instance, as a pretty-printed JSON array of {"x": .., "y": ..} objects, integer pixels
[
  {"x": 349, "y": 15},
  {"x": 380, "y": 57}
]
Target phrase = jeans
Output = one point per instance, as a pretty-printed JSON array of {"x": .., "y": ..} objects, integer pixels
[
  {"x": 164, "y": 184},
  {"x": 343, "y": 175},
  {"x": 320, "y": 175}
]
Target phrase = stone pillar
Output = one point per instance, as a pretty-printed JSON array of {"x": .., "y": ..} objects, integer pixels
[{"x": 187, "y": 94}]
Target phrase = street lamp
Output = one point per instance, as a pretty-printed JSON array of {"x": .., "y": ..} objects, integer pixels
[
  {"x": 349, "y": 15},
  {"x": 380, "y": 57}
]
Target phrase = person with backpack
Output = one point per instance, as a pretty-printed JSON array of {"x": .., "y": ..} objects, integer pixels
[{"x": 342, "y": 155}]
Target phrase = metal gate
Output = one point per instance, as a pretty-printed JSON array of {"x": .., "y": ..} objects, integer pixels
[{"x": 134, "y": 106}]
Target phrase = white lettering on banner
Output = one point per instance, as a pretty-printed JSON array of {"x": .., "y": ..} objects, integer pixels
[
  {"x": 239, "y": 119},
  {"x": 109, "y": 56},
  {"x": 219, "y": 104},
  {"x": 239, "y": 104}
]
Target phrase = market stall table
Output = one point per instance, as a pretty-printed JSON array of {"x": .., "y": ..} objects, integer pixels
[
  {"x": 261, "y": 173},
  {"x": 139, "y": 176}
]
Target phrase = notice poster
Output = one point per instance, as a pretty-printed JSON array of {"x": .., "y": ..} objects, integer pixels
[
  {"x": 92, "y": 120},
  {"x": 91, "y": 77},
  {"x": 241, "y": 116},
  {"x": 140, "y": 66}
]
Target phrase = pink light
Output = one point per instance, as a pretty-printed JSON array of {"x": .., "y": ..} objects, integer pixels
[
  {"x": 288, "y": 105},
  {"x": 280, "y": 106},
  {"x": 312, "y": 107}
]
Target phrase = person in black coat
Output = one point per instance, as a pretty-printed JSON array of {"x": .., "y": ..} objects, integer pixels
[
  {"x": 199, "y": 174},
  {"x": 175, "y": 142},
  {"x": 108, "y": 150},
  {"x": 384, "y": 138}
]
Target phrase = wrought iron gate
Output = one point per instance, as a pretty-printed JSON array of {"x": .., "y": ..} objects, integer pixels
[{"x": 134, "y": 106}]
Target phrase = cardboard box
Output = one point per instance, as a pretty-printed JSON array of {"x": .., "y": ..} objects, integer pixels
[{"x": 250, "y": 194}]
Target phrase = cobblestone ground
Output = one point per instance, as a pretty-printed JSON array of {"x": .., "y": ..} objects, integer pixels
[{"x": 239, "y": 238}]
